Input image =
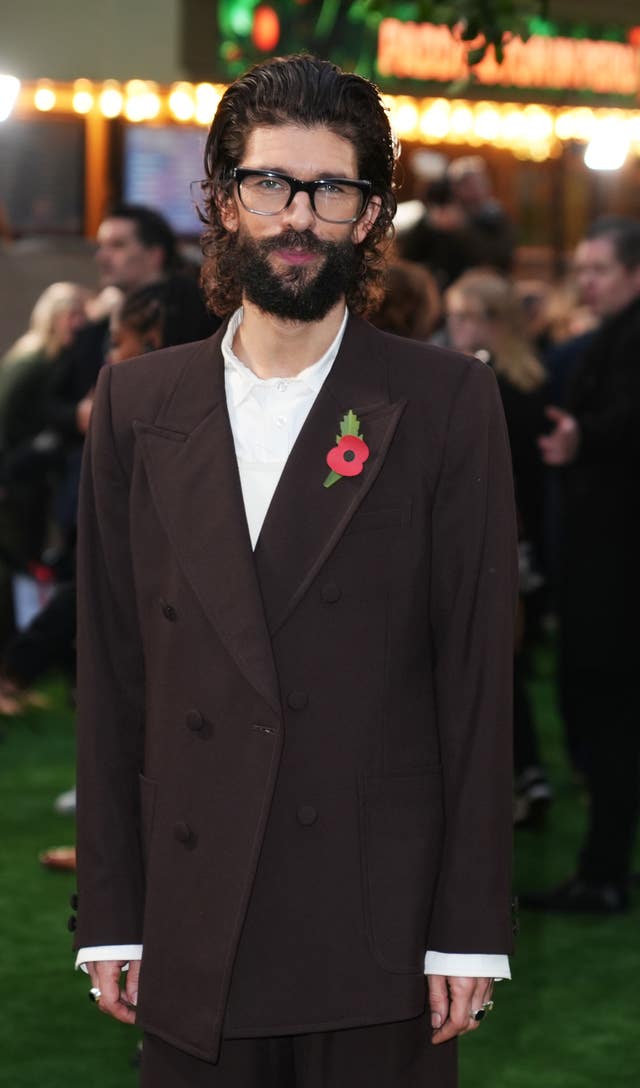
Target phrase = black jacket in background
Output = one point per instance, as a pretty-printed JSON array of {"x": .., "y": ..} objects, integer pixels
[{"x": 600, "y": 601}]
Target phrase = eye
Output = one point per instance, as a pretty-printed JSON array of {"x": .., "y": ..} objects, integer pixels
[
  {"x": 266, "y": 185},
  {"x": 334, "y": 188}
]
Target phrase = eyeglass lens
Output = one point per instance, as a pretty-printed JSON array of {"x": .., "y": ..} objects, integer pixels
[{"x": 335, "y": 201}]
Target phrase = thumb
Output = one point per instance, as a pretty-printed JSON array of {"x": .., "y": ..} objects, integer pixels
[
  {"x": 555, "y": 414},
  {"x": 438, "y": 1000},
  {"x": 131, "y": 986}
]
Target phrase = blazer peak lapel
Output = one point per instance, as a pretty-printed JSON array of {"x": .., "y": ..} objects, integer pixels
[{"x": 194, "y": 480}]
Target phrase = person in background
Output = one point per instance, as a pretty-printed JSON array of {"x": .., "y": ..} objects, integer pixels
[
  {"x": 27, "y": 470},
  {"x": 411, "y": 305},
  {"x": 158, "y": 316},
  {"x": 57, "y": 317},
  {"x": 594, "y": 445},
  {"x": 489, "y": 229},
  {"x": 484, "y": 319},
  {"x": 135, "y": 247}
]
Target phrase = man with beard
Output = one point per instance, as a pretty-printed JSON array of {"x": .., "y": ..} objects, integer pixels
[{"x": 297, "y": 598}]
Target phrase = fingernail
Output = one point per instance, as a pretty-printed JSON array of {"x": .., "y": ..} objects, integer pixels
[{"x": 436, "y": 1020}]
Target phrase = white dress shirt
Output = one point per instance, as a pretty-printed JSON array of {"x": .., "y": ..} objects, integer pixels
[{"x": 266, "y": 416}]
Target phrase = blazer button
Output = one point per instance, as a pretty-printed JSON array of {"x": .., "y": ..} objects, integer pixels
[
  {"x": 297, "y": 700},
  {"x": 73, "y": 901},
  {"x": 72, "y": 923},
  {"x": 331, "y": 593},
  {"x": 307, "y": 815},
  {"x": 184, "y": 834},
  {"x": 194, "y": 721},
  {"x": 169, "y": 612}
]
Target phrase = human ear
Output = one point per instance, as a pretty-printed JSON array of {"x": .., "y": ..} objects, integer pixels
[
  {"x": 227, "y": 210},
  {"x": 366, "y": 221}
]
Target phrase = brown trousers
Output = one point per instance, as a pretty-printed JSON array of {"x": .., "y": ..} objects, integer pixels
[{"x": 398, "y": 1055}]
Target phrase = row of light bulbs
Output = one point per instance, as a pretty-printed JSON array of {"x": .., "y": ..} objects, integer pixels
[
  {"x": 531, "y": 131},
  {"x": 138, "y": 100}
]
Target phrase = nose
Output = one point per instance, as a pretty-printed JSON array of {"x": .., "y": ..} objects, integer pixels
[{"x": 299, "y": 214}]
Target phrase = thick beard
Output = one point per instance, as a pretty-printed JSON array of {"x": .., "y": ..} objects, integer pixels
[{"x": 301, "y": 293}]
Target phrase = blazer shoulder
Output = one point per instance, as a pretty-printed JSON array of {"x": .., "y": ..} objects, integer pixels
[
  {"x": 419, "y": 369},
  {"x": 140, "y": 386}
]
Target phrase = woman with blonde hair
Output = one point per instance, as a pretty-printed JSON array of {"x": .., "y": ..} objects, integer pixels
[
  {"x": 485, "y": 319},
  {"x": 55, "y": 319}
]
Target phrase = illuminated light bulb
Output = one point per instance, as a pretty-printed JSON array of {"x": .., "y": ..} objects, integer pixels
[
  {"x": 435, "y": 120},
  {"x": 405, "y": 119},
  {"x": 207, "y": 101},
  {"x": 538, "y": 124},
  {"x": 83, "y": 99},
  {"x": 609, "y": 145},
  {"x": 181, "y": 102},
  {"x": 565, "y": 125},
  {"x": 9, "y": 91},
  {"x": 142, "y": 102},
  {"x": 584, "y": 123},
  {"x": 486, "y": 122},
  {"x": 152, "y": 102},
  {"x": 44, "y": 98},
  {"x": 110, "y": 100},
  {"x": 461, "y": 121},
  {"x": 512, "y": 126}
]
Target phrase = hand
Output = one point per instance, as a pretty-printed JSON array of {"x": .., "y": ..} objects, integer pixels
[
  {"x": 452, "y": 1001},
  {"x": 116, "y": 1002},
  {"x": 84, "y": 408},
  {"x": 561, "y": 446}
]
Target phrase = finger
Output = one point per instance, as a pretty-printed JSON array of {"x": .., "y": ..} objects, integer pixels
[
  {"x": 131, "y": 987},
  {"x": 108, "y": 982},
  {"x": 460, "y": 991},
  {"x": 481, "y": 994},
  {"x": 438, "y": 1000},
  {"x": 556, "y": 414}
]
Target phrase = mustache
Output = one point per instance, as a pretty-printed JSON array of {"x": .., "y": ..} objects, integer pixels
[{"x": 303, "y": 241}]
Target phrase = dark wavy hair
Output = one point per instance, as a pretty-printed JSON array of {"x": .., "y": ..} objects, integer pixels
[{"x": 306, "y": 91}]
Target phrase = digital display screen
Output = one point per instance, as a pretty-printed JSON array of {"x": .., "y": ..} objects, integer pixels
[{"x": 161, "y": 165}]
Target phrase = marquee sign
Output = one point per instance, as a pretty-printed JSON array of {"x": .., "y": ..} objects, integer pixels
[{"x": 422, "y": 51}]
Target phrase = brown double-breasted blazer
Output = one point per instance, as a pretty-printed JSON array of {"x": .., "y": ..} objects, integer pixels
[{"x": 294, "y": 763}]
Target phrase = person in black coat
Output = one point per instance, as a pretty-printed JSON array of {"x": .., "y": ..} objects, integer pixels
[
  {"x": 596, "y": 443},
  {"x": 484, "y": 318}
]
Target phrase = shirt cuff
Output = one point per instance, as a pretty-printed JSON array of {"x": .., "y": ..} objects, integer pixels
[
  {"x": 108, "y": 952},
  {"x": 469, "y": 965}
]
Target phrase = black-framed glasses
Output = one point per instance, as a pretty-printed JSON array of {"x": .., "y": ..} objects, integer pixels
[{"x": 268, "y": 192}]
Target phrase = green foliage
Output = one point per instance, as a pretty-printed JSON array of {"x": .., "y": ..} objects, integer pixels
[{"x": 483, "y": 22}]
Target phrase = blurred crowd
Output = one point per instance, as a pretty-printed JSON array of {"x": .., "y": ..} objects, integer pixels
[{"x": 565, "y": 356}]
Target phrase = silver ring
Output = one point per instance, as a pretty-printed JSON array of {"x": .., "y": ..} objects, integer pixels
[
  {"x": 479, "y": 1014},
  {"x": 95, "y": 994}
]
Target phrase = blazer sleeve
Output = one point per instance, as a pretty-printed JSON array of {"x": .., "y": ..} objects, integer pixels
[
  {"x": 110, "y": 697},
  {"x": 473, "y": 604}
]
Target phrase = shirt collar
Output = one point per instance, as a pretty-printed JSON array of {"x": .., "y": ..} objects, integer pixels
[{"x": 241, "y": 380}]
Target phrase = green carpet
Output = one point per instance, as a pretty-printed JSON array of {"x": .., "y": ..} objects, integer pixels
[{"x": 570, "y": 1018}]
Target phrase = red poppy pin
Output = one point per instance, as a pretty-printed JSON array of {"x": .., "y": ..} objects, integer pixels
[{"x": 350, "y": 452}]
